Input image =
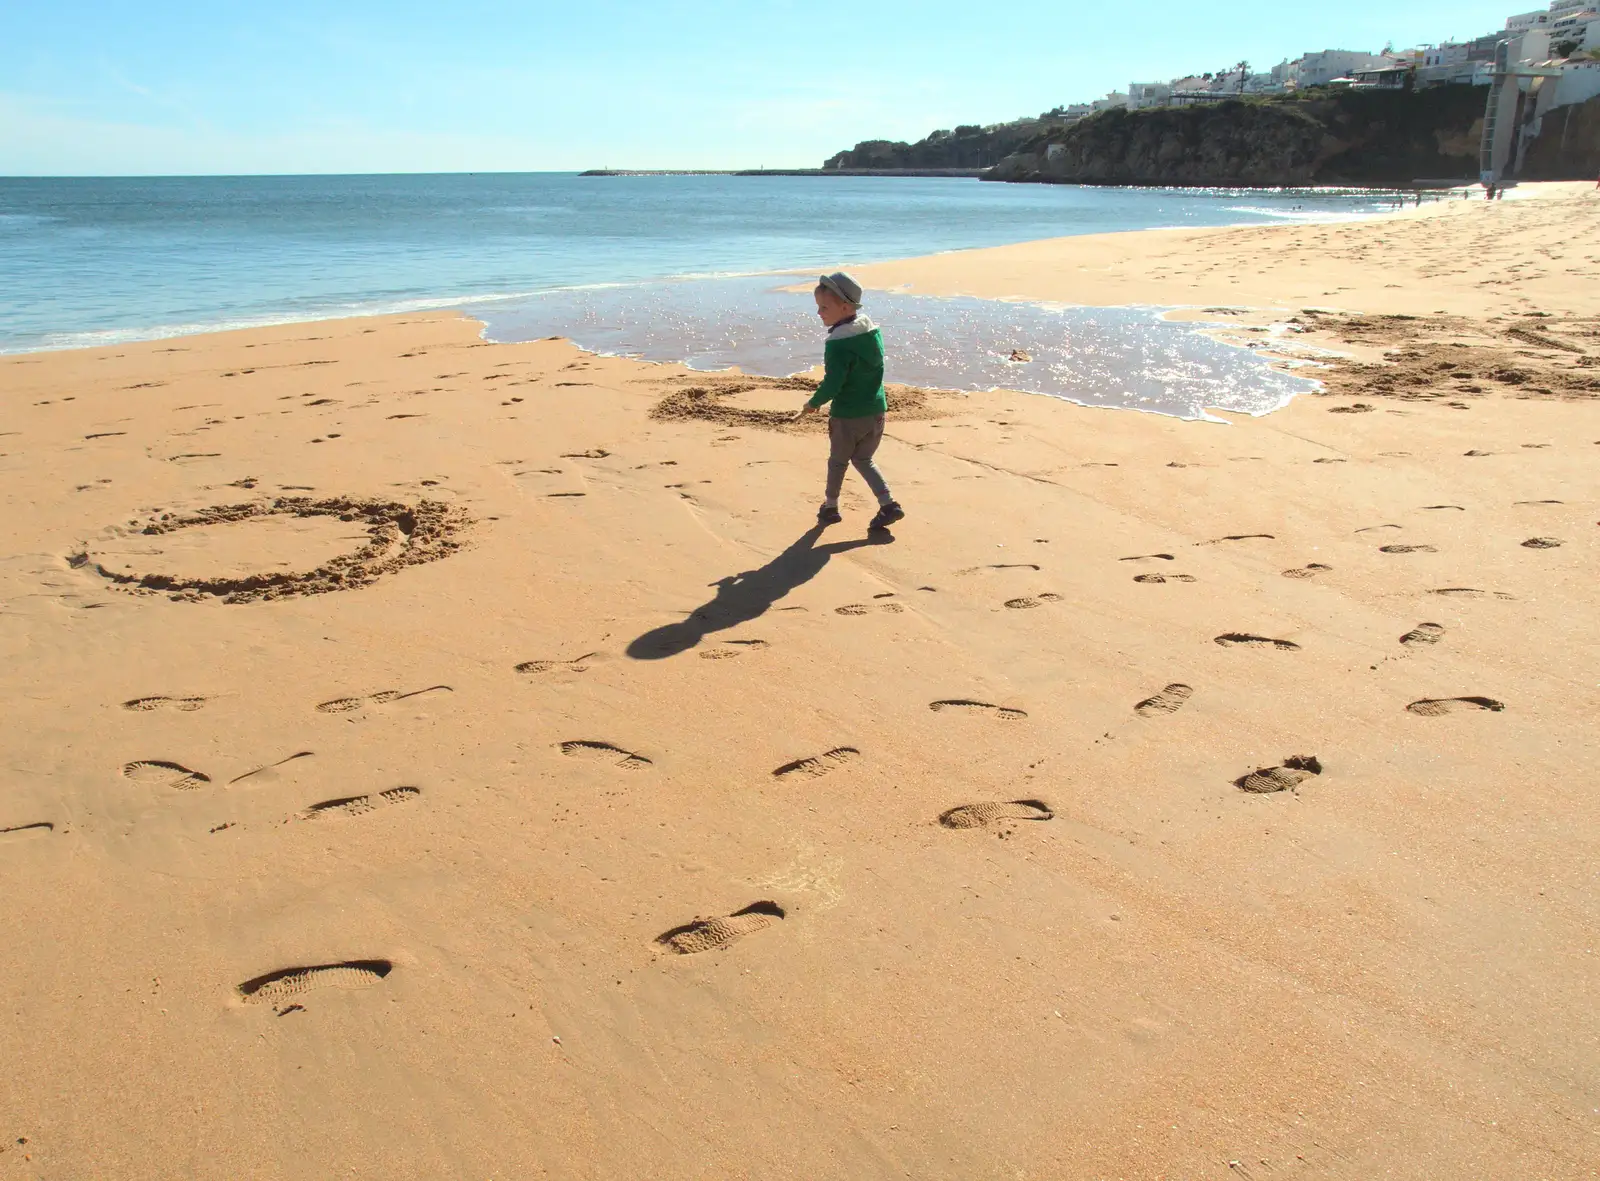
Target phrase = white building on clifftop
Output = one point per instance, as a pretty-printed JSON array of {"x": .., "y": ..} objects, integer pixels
[
  {"x": 1148, "y": 94},
  {"x": 1524, "y": 21},
  {"x": 1576, "y": 25},
  {"x": 1322, "y": 67},
  {"x": 1567, "y": 21}
]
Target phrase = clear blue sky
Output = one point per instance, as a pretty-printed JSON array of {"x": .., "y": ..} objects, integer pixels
[{"x": 159, "y": 86}]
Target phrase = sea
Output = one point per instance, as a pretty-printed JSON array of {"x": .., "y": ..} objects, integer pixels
[{"x": 694, "y": 269}]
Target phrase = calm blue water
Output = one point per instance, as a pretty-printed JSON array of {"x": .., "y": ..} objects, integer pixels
[{"x": 98, "y": 261}]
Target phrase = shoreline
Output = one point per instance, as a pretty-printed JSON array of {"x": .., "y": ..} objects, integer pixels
[
  {"x": 1040, "y": 272},
  {"x": 96, "y": 338}
]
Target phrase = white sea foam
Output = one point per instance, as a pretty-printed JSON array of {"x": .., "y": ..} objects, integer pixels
[
  {"x": 102, "y": 338},
  {"x": 1306, "y": 216}
]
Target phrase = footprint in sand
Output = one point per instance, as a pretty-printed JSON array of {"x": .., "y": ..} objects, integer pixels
[
  {"x": 983, "y": 814},
  {"x": 817, "y": 765},
  {"x": 1027, "y": 602},
  {"x": 1375, "y": 528},
  {"x": 181, "y": 704},
  {"x": 728, "y": 649},
  {"x": 1149, "y": 558},
  {"x": 1407, "y": 549},
  {"x": 865, "y": 608},
  {"x": 1477, "y": 453},
  {"x": 288, "y": 984},
  {"x": 164, "y": 773},
  {"x": 711, "y": 934},
  {"x": 1246, "y": 639},
  {"x": 1539, "y": 502},
  {"x": 1169, "y": 701},
  {"x": 593, "y": 453},
  {"x": 1353, "y": 408},
  {"x": 1443, "y": 508},
  {"x": 1423, "y": 633},
  {"x": 577, "y": 664},
  {"x": 1165, "y": 578},
  {"x": 1310, "y": 570},
  {"x": 345, "y": 705},
  {"x": 1437, "y": 707},
  {"x": 1541, "y": 543},
  {"x": 1296, "y": 769},
  {"x": 1237, "y": 537},
  {"x": 361, "y": 805},
  {"x": 268, "y": 773},
  {"x": 1004, "y": 713},
  {"x": 1000, "y": 566},
  {"x": 17, "y": 832},
  {"x": 584, "y": 748},
  {"x": 1470, "y": 592}
]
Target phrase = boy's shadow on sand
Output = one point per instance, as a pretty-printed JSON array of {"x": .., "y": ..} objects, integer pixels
[{"x": 747, "y": 596}]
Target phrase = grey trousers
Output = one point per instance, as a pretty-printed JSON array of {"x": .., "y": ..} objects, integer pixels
[{"x": 853, "y": 441}]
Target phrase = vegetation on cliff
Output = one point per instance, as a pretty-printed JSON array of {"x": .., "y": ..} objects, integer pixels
[
  {"x": 968, "y": 146},
  {"x": 1384, "y": 137},
  {"x": 1322, "y": 136}
]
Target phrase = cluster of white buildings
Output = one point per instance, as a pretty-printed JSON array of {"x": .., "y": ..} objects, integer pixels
[{"x": 1565, "y": 37}]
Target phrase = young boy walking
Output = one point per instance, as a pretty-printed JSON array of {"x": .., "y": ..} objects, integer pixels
[{"x": 853, "y": 381}]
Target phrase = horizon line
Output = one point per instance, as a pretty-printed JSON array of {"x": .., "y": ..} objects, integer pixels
[{"x": 399, "y": 172}]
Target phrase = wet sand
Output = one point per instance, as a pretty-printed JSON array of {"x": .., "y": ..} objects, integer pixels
[{"x": 549, "y": 798}]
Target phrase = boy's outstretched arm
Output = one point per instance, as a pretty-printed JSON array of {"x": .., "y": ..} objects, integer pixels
[{"x": 834, "y": 371}]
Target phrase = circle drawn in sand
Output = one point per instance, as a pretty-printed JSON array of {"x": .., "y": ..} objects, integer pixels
[
  {"x": 399, "y": 535},
  {"x": 768, "y": 402}
]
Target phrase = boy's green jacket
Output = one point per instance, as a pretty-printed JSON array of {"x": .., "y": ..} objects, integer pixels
[{"x": 852, "y": 379}]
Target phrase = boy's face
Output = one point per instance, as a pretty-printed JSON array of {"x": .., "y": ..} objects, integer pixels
[{"x": 831, "y": 309}]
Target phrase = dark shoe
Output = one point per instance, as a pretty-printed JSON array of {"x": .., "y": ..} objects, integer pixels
[
  {"x": 829, "y": 514},
  {"x": 887, "y": 515}
]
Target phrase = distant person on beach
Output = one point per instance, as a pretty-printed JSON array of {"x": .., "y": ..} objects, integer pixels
[{"x": 852, "y": 380}]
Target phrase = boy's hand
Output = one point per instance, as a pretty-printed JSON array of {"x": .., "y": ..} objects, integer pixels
[{"x": 808, "y": 408}]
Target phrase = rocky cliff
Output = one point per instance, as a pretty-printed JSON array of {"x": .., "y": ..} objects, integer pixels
[
  {"x": 1329, "y": 137},
  {"x": 1568, "y": 147}
]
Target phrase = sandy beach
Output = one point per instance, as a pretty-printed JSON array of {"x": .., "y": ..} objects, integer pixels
[
  {"x": 428, "y": 758},
  {"x": 1534, "y": 250}
]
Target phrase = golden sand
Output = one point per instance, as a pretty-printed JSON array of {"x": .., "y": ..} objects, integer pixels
[{"x": 1163, "y": 800}]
